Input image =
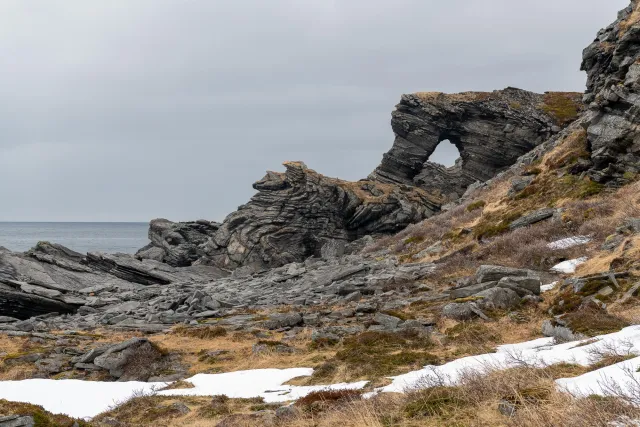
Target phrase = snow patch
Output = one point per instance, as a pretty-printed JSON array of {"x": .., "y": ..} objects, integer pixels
[
  {"x": 569, "y": 242},
  {"x": 547, "y": 288},
  {"x": 265, "y": 383},
  {"x": 569, "y": 266},
  {"x": 539, "y": 352},
  {"x": 86, "y": 399}
]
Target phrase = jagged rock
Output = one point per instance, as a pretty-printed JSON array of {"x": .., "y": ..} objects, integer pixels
[
  {"x": 532, "y": 218},
  {"x": 23, "y": 306},
  {"x": 283, "y": 320},
  {"x": 490, "y": 129},
  {"x": 296, "y": 213},
  {"x": 387, "y": 321},
  {"x": 613, "y": 89},
  {"x": 490, "y": 273},
  {"x": 176, "y": 243},
  {"x": 497, "y": 299},
  {"x": 17, "y": 421}
]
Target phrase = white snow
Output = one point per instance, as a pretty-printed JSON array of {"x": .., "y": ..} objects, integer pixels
[
  {"x": 539, "y": 352},
  {"x": 76, "y": 398},
  {"x": 623, "y": 375},
  {"x": 547, "y": 288},
  {"x": 266, "y": 383},
  {"x": 569, "y": 242},
  {"x": 86, "y": 399},
  {"x": 569, "y": 266}
]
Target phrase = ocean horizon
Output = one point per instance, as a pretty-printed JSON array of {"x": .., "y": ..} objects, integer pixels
[{"x": 109, "y": 237}]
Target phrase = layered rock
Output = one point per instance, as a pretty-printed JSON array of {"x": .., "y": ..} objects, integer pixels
[
  {"x": 52, "y": 278},
  {"x": 177, "y": 244},
  {"x": 300, "y": 213},
  {"x": 490, "y": 130},
  {"x": 612, "y": 63}
]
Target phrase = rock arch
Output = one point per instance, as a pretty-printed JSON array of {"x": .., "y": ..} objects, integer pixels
[{"x": 490, "y": 129}]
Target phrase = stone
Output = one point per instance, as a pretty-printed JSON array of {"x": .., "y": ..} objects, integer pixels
[
  {"x": 176, "y": 243},
  {"x": 613, "y": 78},
  {"x": 490, "y": 273},
  {"x": 17, "y": 421},
  {"x": 386, "y": 321},
  {"x": 485, "y": 127},
  {"x": 131, "y": 360},
  {"x": 532, "y": 218},
  {"x": 497, "y": 299},
  {"x": 283, "y": 320},
  {"x": 459, "y": 311},
  {"x": 295, "y": 214},
  {"x": 507, "y": 408},
  {"x": 530, "y": 284}
]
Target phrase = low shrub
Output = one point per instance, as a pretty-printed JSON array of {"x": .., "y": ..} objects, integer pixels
[
  {"x": 201, "y": 332},
  {"x": 331, "y": 396}
]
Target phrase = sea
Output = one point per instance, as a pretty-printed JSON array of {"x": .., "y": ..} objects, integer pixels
[{"x": 108, "y": 237}]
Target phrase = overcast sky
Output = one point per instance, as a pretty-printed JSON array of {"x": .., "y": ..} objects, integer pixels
[{"x": 127, "y": 110}]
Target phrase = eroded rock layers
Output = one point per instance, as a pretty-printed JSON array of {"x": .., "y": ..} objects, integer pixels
[
  {"x": 490, "y": 130},
  {"x": 612, "y": 63},
  {"x": 300, "y": 213}
]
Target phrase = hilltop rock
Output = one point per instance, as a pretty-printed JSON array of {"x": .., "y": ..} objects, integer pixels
[
  {"x": 612, "y": 63},
  {"x": 490, "y": 129},
  {"x": 300, "y": 213}
]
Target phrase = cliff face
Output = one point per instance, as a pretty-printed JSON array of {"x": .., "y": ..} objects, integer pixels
[
  {"x": 490, "y": 129},
  {"x": 612, "y": 63},
  {"x": 300, "y": 213}
]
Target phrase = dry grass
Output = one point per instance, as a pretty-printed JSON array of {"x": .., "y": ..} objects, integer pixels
[
  {"x": 632, "y": 20},
  {"x": 454, "y": 97},
  {"x": 564, "y": 107}
]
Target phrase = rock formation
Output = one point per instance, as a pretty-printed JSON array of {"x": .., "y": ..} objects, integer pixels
[
  {"x": 176, "y": 243},
  {"x": 300, "y": 213},
  {"x": 612, "y": 63},
  {"x": 490, "y": 129},
  {"x": 52, "y": 278}
]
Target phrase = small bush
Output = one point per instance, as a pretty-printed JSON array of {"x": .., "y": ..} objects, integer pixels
[
  {"x": 563, "y": 107},
  {"x": 201, "y": 332},
  {"x": 332, "y": 396},
  {"x": 476, "y": 205},
  {"x": 435, "y": 401},
  {"x": 470, "y": 333},
  {"x": 592, "y": 322}
]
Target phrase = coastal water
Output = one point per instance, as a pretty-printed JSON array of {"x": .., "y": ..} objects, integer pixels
[{"x": 109, "y": 237}]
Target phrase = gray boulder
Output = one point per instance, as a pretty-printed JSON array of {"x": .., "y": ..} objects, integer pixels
[
  {"x": 132, "y": 360},
  {"x": 497, "y": 299}
]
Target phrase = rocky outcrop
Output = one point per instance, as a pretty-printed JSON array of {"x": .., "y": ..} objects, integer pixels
[
  {"x": 490, "y": 129},
  {"x": 177, "y": 243},
  {"x": 612, "y": 63},
  {"x": 51, "y": 278},
  {"x": 300, "y": 213}
]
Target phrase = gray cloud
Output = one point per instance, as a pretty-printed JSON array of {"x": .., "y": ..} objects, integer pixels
[{"x": 134, "y": 109}]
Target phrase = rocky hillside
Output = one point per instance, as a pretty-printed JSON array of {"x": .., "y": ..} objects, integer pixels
[
  {"x": 612, "y": 63},
  {"x": 534, "y": 233}
]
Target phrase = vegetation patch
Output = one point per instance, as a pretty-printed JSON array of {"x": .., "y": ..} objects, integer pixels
[
  {"x": 41, "y": 417},
  {"x": 564, "y": 107},
  {"x": 435, "y": 401},
  {"x": 328, "y": 396},
  {"x": 592, "y": 322},
  {"x": 476, "y": 205},
  {"x": 201, "y": 332}
]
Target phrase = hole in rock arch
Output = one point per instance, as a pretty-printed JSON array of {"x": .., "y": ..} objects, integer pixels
[{"x": 445, "y": 154}]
